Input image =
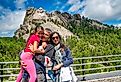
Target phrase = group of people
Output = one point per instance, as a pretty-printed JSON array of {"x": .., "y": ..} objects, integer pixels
[{"x": 44, "y": 54}]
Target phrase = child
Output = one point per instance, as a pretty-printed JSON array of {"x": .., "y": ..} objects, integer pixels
[{"x": 27, "y": 55}]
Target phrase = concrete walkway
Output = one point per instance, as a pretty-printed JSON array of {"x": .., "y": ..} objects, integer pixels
[{"x": 110, "y": 79}]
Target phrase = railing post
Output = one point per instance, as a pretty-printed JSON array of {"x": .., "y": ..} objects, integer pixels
[
  {"x": 83, "y": 72},
  {"x": 1, "y": 67}
]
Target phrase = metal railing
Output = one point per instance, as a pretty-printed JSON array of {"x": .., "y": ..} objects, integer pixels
[
  {"x": 80, "y": 67},
  {"x": 102, "y": 74}
]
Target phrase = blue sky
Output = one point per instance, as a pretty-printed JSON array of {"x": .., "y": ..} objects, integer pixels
[{"x": 12, "y": 12}]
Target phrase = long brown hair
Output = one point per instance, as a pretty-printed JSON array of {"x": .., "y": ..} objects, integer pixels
[{"x": 37, "y": 28}]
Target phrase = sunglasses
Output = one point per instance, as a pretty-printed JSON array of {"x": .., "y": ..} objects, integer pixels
[{"x": 55, "y": 37}]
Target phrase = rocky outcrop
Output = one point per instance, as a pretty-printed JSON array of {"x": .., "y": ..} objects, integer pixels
[{"x": 56, "y": 21}]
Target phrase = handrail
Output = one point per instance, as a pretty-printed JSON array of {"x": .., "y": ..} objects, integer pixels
[
  {"x": 9, "y": 69},
  {"x": 97, "y": 68},
  {"x": 74, "y": 58},
  {"x": 73, "y": 65},
  {"x": 97, "y": 62},
  {"x": 8, "y": 75},
  {"x": 12, "y": 62},
  {"x": 96, "y": 57}
]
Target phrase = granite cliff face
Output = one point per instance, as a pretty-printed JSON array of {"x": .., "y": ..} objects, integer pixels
[{"x": 56, "y": 21}]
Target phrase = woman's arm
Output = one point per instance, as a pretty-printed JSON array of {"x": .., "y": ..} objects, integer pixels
[
  {"x": 34, "y": 48},
  {"x": 68, "y": 60}
]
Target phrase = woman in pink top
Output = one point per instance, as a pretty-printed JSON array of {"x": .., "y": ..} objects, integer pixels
[{"x": 27, "y": 55}]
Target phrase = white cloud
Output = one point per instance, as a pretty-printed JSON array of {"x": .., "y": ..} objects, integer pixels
[
  {"x": 72, "y": 1},
  {"x": 20, "y": 4},
  {"x": 4, "y": 33},
  {"x": 75, "y": 7},
  {"x": 118, "y": 25},
  {"x": 10, "y": 22},
  {"x": 103, "y": 10},
  {"x": 4, "y": 11}
]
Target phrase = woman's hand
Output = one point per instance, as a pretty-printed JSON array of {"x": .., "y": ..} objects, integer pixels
[
  {"x": 57, "y": 66},
  {"x": 62, "y": 49},
  {"x": 42, "y": 51}
]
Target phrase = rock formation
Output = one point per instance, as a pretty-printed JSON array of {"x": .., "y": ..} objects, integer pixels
[{"x": 56, "y": 21}]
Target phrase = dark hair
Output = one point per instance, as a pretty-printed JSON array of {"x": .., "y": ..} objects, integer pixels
[
  {"x": 51, "y": 35},
  {"x": 49, "y": 30},
  {"x": 38, "y": 27},
  {"x": 35, "y": 30}
]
